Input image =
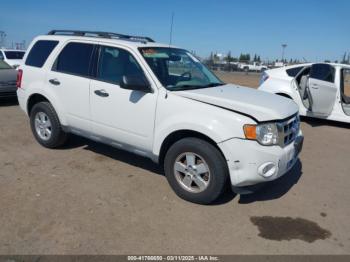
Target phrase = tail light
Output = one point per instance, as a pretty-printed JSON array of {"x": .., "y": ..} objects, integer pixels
[{"x": 19, "y": 78}]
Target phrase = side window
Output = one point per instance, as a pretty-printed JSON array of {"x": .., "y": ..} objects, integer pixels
[
  {"x": 74, "y": 59},
  {"x": 346, "y": 82},
  {"x": 292, "y": 72},
  {"x": 114, "y": 63},
  {"x": 323, "y": 72},
  {"x": 40, "y": 52}
]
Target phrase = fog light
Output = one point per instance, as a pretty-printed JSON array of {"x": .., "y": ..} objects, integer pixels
[{"x": 267, "y": 169}]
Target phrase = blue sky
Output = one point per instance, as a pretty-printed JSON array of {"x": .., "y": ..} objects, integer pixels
[{"x": 316, "y": 30}]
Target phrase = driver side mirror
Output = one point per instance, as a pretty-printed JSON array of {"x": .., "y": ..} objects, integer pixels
[{"x": 136, "y": 83}]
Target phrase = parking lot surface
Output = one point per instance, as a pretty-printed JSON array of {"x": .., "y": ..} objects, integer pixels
[{"x": 88, "y": 198}]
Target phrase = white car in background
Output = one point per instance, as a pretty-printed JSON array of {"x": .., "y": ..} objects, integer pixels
[
  {"x": 12, "y": 57},
  {"x": 321, "y": 90}
]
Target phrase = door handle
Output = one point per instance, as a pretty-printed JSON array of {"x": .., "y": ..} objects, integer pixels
[
  {"x": 101, "y": 93},
  {"x": 54, "y": 82},
  {"x": 314, "y": 86}
]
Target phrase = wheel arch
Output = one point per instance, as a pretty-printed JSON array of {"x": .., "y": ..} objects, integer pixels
[
  {"x": 35, "y": 98},
  {"x": 180, "y": 134}
]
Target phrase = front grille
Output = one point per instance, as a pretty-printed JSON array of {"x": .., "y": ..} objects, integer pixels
[{"x": 288, "y": 130}]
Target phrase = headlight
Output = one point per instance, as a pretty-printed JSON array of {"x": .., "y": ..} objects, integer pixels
[{"x": 265, "y": 134}]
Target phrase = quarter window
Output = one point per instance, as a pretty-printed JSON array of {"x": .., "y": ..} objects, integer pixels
[
  {"x": 323, "y": 72},
  {"x": 292, "y": 72},
  {"x": 114, "y": 63},
  {"x": 75, "y": 59},
  {"x": 40, "y": 52}
]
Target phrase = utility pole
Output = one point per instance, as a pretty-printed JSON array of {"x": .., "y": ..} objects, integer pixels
[
  {"x": 283, "y": 48},
  {"x": 2, "y": 38},
  {"x": 171, "y": 29}
]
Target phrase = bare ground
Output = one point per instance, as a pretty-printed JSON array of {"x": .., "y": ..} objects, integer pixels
[{"x": 89, "y": 198}]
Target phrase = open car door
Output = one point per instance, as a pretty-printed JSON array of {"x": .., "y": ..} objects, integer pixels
[{"x": 322, "y": 89}]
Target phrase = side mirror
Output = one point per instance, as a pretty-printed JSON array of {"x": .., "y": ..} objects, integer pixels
[{"x": 135, "y": 82}]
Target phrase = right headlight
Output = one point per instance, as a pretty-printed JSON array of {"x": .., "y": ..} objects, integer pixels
[{"x": 266, "y": 134}]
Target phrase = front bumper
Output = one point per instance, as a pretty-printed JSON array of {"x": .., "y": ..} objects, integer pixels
[{"x": 250, "y": 163}]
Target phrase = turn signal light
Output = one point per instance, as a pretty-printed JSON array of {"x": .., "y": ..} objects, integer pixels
[{"x": 250, "y": 131}]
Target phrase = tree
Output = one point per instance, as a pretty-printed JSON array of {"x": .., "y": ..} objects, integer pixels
[
  {"x": 244, "y": 57},
  {"x": 229, "y": 57}
]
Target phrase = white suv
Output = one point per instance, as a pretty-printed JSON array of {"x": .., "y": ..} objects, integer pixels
[{"x": 159, "y": 102}]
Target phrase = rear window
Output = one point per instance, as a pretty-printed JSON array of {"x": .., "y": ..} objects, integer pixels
[
  {"x": 14, "y": 54},
  {"x": 292, "y": 72},
  {"x": 40, "y": 52},
  {"x": 75, "y": 59}
]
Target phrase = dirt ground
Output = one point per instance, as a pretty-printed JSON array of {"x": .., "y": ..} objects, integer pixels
[{"x": 88, "y": 198}]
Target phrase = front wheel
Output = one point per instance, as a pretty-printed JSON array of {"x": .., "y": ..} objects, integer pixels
[{"x": 196, "y": 170}]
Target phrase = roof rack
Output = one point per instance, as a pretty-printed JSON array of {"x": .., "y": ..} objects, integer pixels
[{"x": 109, "y": 35}]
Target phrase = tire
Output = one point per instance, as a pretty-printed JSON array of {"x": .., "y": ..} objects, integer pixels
[
  {"x": 205, "y": 156},
  {"x": 43, "y": 117}
]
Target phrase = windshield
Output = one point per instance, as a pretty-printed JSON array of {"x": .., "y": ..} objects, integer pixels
[
  {"x": 4, "y": 65},
  {"x": 14, "y": 54},
  {"x": 178, "y": 69}
]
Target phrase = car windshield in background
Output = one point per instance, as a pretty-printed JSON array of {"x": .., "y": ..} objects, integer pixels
[
  {"x": 177, "y": 69},
  {"x": 4, "y": 65},
  {"x": 14, "y": 54}
]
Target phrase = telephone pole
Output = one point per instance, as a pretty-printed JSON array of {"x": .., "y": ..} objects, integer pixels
[
  {"x": 283, "y": 48},
  {"x": 2, "y": 38}
]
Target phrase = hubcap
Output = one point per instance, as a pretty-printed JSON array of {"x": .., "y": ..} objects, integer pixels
[
  {"x": 192, "y": 172},
  {"x": 43, "y": 125}
]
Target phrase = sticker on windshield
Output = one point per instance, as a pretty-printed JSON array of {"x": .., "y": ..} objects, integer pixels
[{"x": 152, "y": 53}]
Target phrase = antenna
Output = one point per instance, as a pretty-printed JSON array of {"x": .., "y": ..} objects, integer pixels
[{"x": 171, "y": 29}]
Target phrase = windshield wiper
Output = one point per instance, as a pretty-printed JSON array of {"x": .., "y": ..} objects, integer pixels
[
  {"x": 190, "y": 87},
  {"x": 214, "y": 84}
]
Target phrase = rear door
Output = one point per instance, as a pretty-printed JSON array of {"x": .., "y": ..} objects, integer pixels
[
  {"x": 70, "y": 81},
  {"x": 322, "y": 88}
]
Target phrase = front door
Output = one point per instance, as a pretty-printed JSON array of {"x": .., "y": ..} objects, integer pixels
[
  {"x": 322, "y": 88},
  {"x": 124, "y": 116}
]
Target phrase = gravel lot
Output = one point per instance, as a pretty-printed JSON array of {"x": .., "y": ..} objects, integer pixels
[{"x": 89, "y": 198}]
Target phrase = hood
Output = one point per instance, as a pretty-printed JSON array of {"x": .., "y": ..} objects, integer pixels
[{"x": 259, "y": 105}]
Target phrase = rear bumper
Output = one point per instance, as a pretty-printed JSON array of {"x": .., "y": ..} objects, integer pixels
[
  {"x": 8, "y": 91},
  {"x": 250, "y": 163}
]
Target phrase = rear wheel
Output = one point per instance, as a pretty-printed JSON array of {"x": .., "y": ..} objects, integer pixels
[
  {"x": 46, "y": 126},
  {"x": 196, "y": 170}
]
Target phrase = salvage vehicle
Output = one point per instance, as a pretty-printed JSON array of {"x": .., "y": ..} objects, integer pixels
[
  {"x": 8, "y": 77},
  {"x": 160, "y": 102},
  {"x": 12, "y": 56},
  {"x": 321, "y": 90}
]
